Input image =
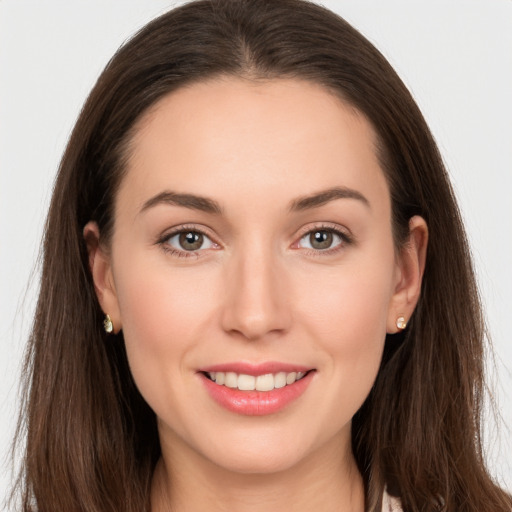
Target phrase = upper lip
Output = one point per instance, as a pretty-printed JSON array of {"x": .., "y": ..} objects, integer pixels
[{"x": 255, "y": 369}]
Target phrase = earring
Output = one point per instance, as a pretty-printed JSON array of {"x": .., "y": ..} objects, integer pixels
[
  {"x": 108, "y": 325},
  {"x": 401, "y": 323}
]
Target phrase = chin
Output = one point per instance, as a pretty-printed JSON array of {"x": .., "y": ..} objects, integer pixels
[
  {"x": 264, "y": 452},
  {"x": 258, "y": 463}
]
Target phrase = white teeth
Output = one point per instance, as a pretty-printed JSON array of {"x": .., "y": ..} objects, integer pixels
[
  {"x": 246, "y": 382},
  {"x": 291, "y": 377},
  {"x": 280, "y": 380},
  {"x": 266, "y": 382},
  {"x": 231, "y": 380}
]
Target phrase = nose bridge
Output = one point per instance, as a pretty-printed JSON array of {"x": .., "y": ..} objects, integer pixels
[{"x": 255, "y": 303}]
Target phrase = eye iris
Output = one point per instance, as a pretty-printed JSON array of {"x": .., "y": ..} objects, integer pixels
[
  {"x": 321, "y": 239},
  {"x": 191, "y": 241}
]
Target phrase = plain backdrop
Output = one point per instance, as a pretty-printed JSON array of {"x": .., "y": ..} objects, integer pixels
[{"x": 454, "y": 55}]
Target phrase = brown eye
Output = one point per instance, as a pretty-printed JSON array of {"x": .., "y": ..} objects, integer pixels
[
  {"x": 322, "y": 239},
  {"x": 191, "y": 240}
]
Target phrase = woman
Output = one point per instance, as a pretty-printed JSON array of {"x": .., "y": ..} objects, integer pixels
[{"x": 238, "y": 307}]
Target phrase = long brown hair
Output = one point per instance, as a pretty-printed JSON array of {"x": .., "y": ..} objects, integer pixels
[{"x": 91, "y": 440}]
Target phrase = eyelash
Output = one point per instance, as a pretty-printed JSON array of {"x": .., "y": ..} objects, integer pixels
[
  {"x": 345, "y": 238},
  {"x": 164, "y": 239}
]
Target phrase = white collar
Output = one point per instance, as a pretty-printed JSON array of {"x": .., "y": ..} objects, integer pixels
[{"x": 390, "y": 503}]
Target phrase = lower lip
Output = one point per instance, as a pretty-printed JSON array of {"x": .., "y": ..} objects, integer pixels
[{"x": 256, "y": 403}]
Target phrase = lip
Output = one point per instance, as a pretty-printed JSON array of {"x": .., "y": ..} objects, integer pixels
[
  {"x": 256, "y": 403},
  {"x": 256, "y": 369}
]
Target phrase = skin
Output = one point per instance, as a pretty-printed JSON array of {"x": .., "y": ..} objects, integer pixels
[{"x": 259, "y": 291}]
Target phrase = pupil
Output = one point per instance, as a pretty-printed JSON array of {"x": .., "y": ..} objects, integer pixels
[
  {"x": 191, "y": 241},
  {"x": 321, "y": 239}
]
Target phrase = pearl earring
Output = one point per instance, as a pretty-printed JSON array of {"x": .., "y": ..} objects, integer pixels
[
  {"x": 108, "y": 325},
  {"x": 401, "y": 323}
]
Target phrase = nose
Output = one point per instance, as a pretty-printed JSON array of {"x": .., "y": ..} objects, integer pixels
[{"x": 256, "y": 303}]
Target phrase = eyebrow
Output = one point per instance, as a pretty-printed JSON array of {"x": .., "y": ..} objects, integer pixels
[
  {"x": 191, "y": 201},
  {"x": 208, "y": 205},
  {"x": 325, "y": 196}
]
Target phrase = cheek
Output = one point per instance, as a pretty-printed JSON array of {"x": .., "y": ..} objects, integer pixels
[
  {"x": 350, "y": 309},
  {"x": 347, "y": 316},
  {"x": 162, "y": 311}
]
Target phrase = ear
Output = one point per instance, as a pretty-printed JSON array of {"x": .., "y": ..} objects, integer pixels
[
  {"x": 410, "y": 269},
  {"x": 101, "y": 269}
]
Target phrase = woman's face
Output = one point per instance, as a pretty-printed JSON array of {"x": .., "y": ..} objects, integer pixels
[{"x": 252, "y": 236}]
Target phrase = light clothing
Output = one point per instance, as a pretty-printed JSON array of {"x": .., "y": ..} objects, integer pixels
[{"x": 390, "y": 504}]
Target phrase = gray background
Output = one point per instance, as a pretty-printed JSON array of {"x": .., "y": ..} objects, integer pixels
[{"x": 454, "y": 55}]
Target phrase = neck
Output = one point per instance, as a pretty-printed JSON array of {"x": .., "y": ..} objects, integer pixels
[{"x": 328, "y": 480}]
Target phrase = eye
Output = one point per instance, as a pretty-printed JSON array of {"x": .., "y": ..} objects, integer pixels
[
  {"x": 321, "y": 239},
  {"x": 189, "y": 241}
]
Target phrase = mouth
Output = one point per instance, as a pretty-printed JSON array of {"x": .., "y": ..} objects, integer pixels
[
  {"x": 256, "y": 390},
  {"x": 265, "y": 382}
]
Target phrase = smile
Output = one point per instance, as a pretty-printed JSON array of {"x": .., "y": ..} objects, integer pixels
[
  {"x": 256, "y": 390},
  {"x": 244, "y": 382}
]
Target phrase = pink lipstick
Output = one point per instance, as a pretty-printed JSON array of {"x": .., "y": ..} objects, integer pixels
[{"x": 255, "y": 389}]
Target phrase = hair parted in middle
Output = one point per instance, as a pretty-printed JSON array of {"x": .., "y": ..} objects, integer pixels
[{"x": 418, "y": 431}]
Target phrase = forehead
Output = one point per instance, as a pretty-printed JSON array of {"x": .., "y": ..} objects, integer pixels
[{"x": 281, "y": 136}]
